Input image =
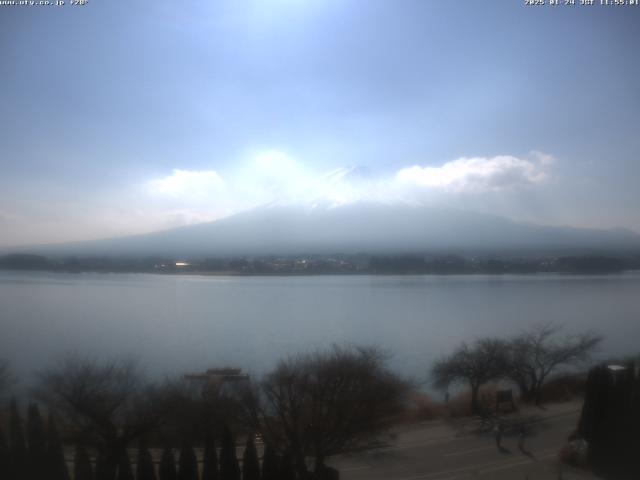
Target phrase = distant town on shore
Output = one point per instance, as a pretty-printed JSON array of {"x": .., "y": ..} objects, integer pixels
[{"x": 329, "y": 264}]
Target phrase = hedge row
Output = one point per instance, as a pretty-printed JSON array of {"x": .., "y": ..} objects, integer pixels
[{"x": 39, "y": 455}]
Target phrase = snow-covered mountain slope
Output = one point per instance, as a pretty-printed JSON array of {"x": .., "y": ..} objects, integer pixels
[{"x": 356, "y": 228}]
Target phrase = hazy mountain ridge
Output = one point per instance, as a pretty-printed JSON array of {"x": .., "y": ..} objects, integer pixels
[{"x": 356, "y": 228}]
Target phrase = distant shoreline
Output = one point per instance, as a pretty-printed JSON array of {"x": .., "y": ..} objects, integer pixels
[
  {"x": 339, "y": 264},
  {"x": 321, "y": 274}
]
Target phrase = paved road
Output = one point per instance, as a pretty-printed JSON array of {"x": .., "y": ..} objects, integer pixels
[{"x": 444, "y": 451}]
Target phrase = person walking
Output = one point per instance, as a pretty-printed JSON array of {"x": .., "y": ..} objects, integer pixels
[
  {"x": 521, "y": 435},
  {"x": 498, "y": 434}
]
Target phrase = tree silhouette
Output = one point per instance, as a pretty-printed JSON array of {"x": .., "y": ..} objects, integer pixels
[
  {"x": 18, "y": 449},
  {"x": 125, "y": 472},
  {"x": 82, "y": 464},
  {"x": 229, "y": 469},
  {"x": 188, "y": 463},
  {"x": 144, "y": 467},
  {"x": 324, "y": 403},
  {"x": 210, "y": 460},
  {"x": 37, "y": 441},
  {"x": 534, "y": 355},
  {"x": 250, "y": 462},
  {"x": 102, "y": 470},
  {"x": 270, "y": 462},
  {"x": 110, "y": 399},
  {"x": 287, "y": 471},
  {"x": 168, "y": 465},
  {"x": 56, "y": 464},
  {"x": 610, "y": 420},
  {"x": 475, "y": 364},
  {"x": 4, "y": 457}
]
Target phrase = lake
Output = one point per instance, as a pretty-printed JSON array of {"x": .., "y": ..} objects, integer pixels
[{"x": 174, "y": 323}]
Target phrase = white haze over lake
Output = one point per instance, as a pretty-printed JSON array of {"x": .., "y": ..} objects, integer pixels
[{"x": 173, "y": 324}]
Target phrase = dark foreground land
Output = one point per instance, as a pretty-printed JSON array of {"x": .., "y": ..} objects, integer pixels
[
  {"x": 441, "y": 450},
  {"x": 460, "y": 449}
]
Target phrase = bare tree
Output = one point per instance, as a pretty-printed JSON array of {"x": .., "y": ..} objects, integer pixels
[
  {"x": 108, "y": 403},
  {"x": 535, "y": 354},
  {"x": 475, "y": 364},
  {"x": 320, "y": 404}
]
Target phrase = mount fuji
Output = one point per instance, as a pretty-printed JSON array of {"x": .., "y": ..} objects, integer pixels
[{"x": 362, "y": 227}]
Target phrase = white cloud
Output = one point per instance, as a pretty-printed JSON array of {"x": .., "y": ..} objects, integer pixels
[
  {"x": 187, "y": 183},
  {"x": 477, "y": 174},
  {"x": 273, "y": 177}
]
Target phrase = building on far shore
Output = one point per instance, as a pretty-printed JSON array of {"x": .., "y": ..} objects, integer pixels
[{"x": 214, "y": 380}]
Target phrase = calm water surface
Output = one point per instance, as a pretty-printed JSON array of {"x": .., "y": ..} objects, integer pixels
[{"x": 179, "y": 323}]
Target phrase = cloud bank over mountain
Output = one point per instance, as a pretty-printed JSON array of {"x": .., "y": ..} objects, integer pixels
[
  {"x": 182, "y": 196},
  {"x": 274, "y": 204},
  {"x": 274, "y": 177}
]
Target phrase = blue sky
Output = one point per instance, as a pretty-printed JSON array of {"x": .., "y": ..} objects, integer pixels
[{"x": 126, "y": 117}]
